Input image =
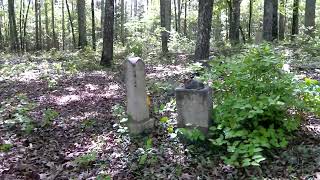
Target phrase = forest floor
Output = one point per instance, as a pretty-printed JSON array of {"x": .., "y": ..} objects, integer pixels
[{"x": 65, "y": 119}]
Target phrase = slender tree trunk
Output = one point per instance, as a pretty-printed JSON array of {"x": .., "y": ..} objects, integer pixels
[
  {"x": 102, "y": 15},
  {"x": 40, "y": 26},
  {"x": 204, "y": 24},
  {"x": 282, "y": 21},
  {"x": 295, "y": 20},
  {"x": 267, "y": 20},
  {"x": 71, "y": 24},
  {"x": 175, "y": 15},
  {"x": 63, "y": 26},
  {"x": 54, "y": 37},
  {"x": 93, "y": 26},
  {"x": 25, "y": 25},
  {"x": 234, "y": 8},
  {"x": 81, "y": 7},
  {"x": 36, "y": 9},
  {"x": 122, "y": 23},
  {"x": 135, "y": 6},
  {"x": 179, "y": 15},
  {"x": 20, "y": 23},
  {"x": 13, "y": 27},
  {"x": 185, "y": 17},
  {"x": 1, "y": 26},
  {"x": 107, "y": 51},
  {"x": 47, "y": 25},
  {"x": 275, "y": 19},
  {"x": 309, "y": 21},
  {"x": 165, "y": 16},
  {"x": 250, "y": 19}
]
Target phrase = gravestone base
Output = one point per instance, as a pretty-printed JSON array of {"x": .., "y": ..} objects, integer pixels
[
  {"x": 140, "y": 127},
  {"x": 194, "y": 108}
]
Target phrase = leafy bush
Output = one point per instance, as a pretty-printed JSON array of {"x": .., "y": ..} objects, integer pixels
[
  {"x": 255, "y": 100},
  {"x": 311, "y": 95},
  {"x": 86, "y": 159}
]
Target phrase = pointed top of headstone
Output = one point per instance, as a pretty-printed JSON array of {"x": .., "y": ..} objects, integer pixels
[{"x": 135, "y": 60}]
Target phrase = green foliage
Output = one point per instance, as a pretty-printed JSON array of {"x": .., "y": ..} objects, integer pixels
[
  {"x": 17, "y": 109},
  {"x": 193, "y": 135},
  {"x": 310, "y": 90},
  {"x": 49, "y": 116},
  {"x": 103, "y": 177},
  {"x": 253, "y": 96},
  {"x": 86, "y": 159},
  {"x": 5, "y": 147}
]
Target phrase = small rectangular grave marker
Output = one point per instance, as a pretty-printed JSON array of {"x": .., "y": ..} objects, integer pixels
[
  {"x": 137, "y": 107},
  {"x": 194, "y": 106}
]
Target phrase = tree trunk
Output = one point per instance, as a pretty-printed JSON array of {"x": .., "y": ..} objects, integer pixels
[
  {"x": 71, "y": 24},
  {"x": 235, "y": 21},
  {"x": 13, "y": 27},
  {"x": 107, "y": 51},
  {"x": 122, "y": 23},
  {"x": 40, "y": 26},
  {"x": 36, "y": 9},
  {"x": 282, "y": 21},
  {"x": 54, "y": 37},
  {"x": 295, "y": 19},
  {"x": 309, "y": 21},
  {"x": 22, "y": 4},
  {"x": 250, "y": 19},
  {"x": 93, "y": 26},
  {"x": 175, "y": 15},
  {"x": 267, "y": 20},
  {"x": 102, "y": 15},
  {"x": 185, "y": 17},
  {"x": 25, "y": 26},
  {"x": 47, "y": 25},
  {"x": 81, "y": 8},
  {"x": 179, "y": 15},
  {"x": 165, "y": 16},
  {"x": 204, "y": 25},
  {"x": 63, "y": 26},
  {"x": 275, "y": 19},
  {"x": 135, "y": 6}
]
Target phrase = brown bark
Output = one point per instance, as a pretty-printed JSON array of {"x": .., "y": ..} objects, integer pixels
[{"x": 107, "y": 51}]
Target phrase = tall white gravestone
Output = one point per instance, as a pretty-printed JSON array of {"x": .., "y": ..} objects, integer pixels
[{"x": 137, "y": 108}]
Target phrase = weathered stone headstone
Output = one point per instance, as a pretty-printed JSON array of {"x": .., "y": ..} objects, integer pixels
[
  {"x": 194, "y": 106},
  {"x": 137, "y": 108},
  {"x": 258, "y": 37}
]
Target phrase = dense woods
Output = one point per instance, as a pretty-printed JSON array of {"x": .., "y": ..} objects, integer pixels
[{"x": 159, "y": 89}]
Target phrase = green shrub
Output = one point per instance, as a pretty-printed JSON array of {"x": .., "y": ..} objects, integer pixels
[
  {"x": 254, "y": 104},
  {"x": 310, "y": 90}
]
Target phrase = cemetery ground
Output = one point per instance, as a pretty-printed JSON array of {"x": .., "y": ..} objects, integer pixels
[{"x": 63, "y": 117}]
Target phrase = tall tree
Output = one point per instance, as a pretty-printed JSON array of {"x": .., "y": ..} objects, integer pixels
[
  {"x": 22, "y": 4},
  {"x": 40, "y": 25},
  {"x": 250, "y": 19},
  {"x": 204, "y": 25},
  {"x": 54, "y": 37},
  {"x": 135, "y": 6},
  {"x": 81, "y": 8},
  {"x": 93, "y": 33},
  {"x": 71, "y": 24},
  {"x": 275, "y": 19},
  {"x": 25, "y": 26},
  {"x": 46, "y": 3},
  {"x": 102, "y": 15},
  {"x": 185, "y": 17},
  {"x": 309, "y": 21},
  {"x": 63, "y": 26},
  {"x": 122, "y": 22},
  {"x": 234, "y": 8},
  {"x": 107, "y": 51},
  {"x": 295, "y": 19},
  {"x": 179, "y": 15},
  {"x": 165, "y": 16},
  {"x": 13, "y": 27},
  {"x": 267, "y": 20},
  {"x": 36, "y": 9},
  {"x": 282, "y": 20}
]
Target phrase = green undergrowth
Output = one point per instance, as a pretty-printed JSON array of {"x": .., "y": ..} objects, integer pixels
[{"x": 257, "y": 105}]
